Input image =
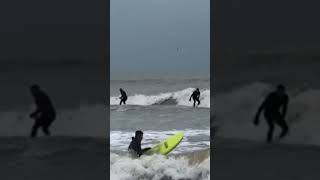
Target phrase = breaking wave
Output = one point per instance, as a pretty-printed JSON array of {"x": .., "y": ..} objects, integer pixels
[
  {"x": 191, "y": 166},
  {"x": 235, "y": 111},
  {"x": 170, "y": 98}
]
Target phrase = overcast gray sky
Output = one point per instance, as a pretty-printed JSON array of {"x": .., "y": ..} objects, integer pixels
[
  {"x": 58, "y": 44},
  {"x": 268, "y": 40},
  {"x": 159, "y": 37}
]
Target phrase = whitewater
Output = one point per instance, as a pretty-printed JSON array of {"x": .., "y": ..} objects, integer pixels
[
  {"x": 160, "y": 108},
  {"x": 180, "y": 98},
  {"x": 192, "y": 166}
]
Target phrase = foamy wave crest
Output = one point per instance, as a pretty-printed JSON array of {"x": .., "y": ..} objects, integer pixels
[
  {"x": 158, "y": 167},
  {"x": 87, "y": 120},
  {"x": 119, "y": 140},
  {"x": 235, "y": 112},
  {"x": 178, "y": 98}
]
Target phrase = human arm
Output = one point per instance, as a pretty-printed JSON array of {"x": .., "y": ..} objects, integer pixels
[
  {"x": 34, "y": 114},
  {"x": 261, "y": 107},
  {"x": 37, "y": 111},
  {"x": 146, "y": 149},
  {"x": 191, "y": 97},
  {"x": 285, "y": 107}
]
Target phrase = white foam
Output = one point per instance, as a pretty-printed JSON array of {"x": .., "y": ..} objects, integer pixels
[
  {"x": 157, "y": 167},
  {"x": 120, "y": 140},
  {"x": 182, "y": 98}
]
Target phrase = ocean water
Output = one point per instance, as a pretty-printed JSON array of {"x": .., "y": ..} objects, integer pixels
[
  {"x": 87, "y": 120},
  {"x": 241, "y": 84},
  {"x": 78, "y": 93},
  {"x": 69, "y": 157},
  {"x": 190, "y": 166},
  {"x": 160, "y": 108},
  {"x": 234, "y": 115}
]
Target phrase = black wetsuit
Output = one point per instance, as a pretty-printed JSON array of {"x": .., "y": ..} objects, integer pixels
[
  {"x": 135, "y": 148},
  {"x": 123, "y": 97},
  {"x": 272, "y": 106},
  {"x": 195, "y": 96},
  {"x": 44, "y": 115}
]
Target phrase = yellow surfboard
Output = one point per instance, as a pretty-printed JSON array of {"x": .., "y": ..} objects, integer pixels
[{"x": 166, "y": 146}]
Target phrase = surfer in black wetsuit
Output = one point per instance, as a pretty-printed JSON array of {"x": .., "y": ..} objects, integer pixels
[
  {"x": 135, "y": 145},
  {"x": 275, "y": 109},
  {"x": 195, "y": 96},
  {"x": 123, "y": 96},
  {"x": 44, "y": 114}
]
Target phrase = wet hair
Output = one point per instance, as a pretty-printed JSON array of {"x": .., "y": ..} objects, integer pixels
[
  {"x": 138, "y": 133},
  {"x": 197, "y": 89},
  {"x": 35, "y": 87},
  {"x": 281, "y": 87}
]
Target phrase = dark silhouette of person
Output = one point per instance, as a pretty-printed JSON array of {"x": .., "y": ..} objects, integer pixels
[
  {"x": 275, "y": 109},
  {"x": 44, "y": 114},
  {"x": 195, "y": 96},
  {"x": 123, "y": 97},
  {"x": 135, "y": 145}
]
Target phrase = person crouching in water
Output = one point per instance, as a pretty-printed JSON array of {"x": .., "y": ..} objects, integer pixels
[{"x": 135, "y": 145}]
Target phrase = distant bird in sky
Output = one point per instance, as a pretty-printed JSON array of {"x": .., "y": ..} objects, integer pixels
[{"x": 179, "y": 51}]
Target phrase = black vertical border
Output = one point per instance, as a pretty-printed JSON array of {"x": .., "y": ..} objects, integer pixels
[
  {"x": 106, "y": 58},
  {"x": 213, "y": 45}
]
